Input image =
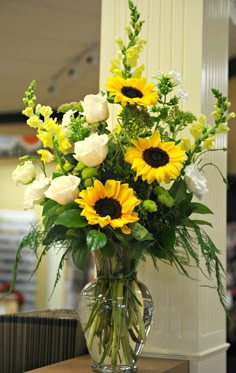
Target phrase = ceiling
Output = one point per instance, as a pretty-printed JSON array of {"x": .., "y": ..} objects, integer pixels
[{"x": 51, "y": 41}]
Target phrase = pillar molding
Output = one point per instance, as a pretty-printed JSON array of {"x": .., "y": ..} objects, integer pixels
[{"x": 191, "y": 37}]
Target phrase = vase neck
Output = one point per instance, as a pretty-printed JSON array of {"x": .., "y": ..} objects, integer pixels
[{"x": 117, "y": 266}]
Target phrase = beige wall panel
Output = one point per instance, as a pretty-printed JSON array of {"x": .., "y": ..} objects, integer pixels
[{"x": 191, "y": 37}]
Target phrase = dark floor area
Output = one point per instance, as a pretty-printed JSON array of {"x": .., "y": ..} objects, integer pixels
[{"x": 231, "y": 359}]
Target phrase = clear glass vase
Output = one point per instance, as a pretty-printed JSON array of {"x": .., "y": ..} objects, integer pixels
[{"x": 115, "y": 311}]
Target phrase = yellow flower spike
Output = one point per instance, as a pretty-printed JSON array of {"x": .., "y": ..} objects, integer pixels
[
  {"x": 120, "y": 42},
  {"x": 46, "y": 138},
  {"x": 197, "y": 130},
  {"x": 110, "y": 204},
  {"x": 208, "y": 143},
  {"x": 132, "y": 91},
  {"x": 202, "y": 120},
  {"x": 185, "y": 144},
  {"x": 216, "y": 115},
  {"x": 28, "y": 112},
  {"x": 37, "y": 109},
  {"x": 34, "y": 122},
  {"x": 132, "y": 55},
  {"x": 46, "y": 156},
  {"x": 230, "y": 115},
  {"x": 138, "y": 72},
  {"x": 155, "y": 160},
  {"x": 115, "y": 68},
  {"x": 46, "y": 111},
  {"x": 222, "y": 128}
]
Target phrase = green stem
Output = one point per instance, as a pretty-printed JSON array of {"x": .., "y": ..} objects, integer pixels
[
  {"x": 92, "y": 331},
  {"x": 117, "y": 294}
]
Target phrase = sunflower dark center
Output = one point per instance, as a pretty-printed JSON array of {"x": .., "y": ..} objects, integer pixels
[
  {"x": 108, "y": 206},
  {"x": 155, "y": 157},
  {"x": 131, "y": 92}
]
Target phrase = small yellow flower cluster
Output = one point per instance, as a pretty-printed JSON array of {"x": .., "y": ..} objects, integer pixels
[
  {"x": 48, "y": 131},
  {"x": 130, "y": 56}
]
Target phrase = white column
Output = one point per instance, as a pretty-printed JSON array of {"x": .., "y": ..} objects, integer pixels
[{"x": 192, "y": 37}]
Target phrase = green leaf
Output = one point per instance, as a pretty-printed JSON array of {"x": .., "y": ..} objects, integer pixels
[
  {"x": 167, "y": 239},
  {"x": 96, "y": 240},
  {"x": 108, "y": 250},
  {"x": 48, "y": 205},
  {"x": 199, "y": 208},
  {"x": 140, "y": 233},
  {"x": 56, "y": 233},
  {"x": 202, "y": 222},
  {"x": 193, "y": 223},
  {"x": 184, "y": 205},
  {"x": 178, "y": 190},
  {"x": 71, "y": 219},
  {"x": 79, "y": 256}
]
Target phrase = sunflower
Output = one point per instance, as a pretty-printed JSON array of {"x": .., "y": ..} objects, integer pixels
[
  {"x": 132, "y": 91},
  {"x": 110, "y": 204},
  {"x": 153, "y": 159}
]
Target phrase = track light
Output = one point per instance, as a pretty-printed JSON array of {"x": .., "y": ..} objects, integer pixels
[
  {"x": 52, "y": 88},
  {"x": 73, "y": 72}
]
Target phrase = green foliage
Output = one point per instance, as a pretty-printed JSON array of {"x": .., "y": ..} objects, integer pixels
[{"x": 96, "y": 240}]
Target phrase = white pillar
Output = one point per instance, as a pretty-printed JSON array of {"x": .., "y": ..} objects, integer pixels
[{"x": 192, "y": 37}]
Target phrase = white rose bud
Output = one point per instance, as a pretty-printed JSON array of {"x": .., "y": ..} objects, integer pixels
[
  {"x": 24, "y": 173},
  {"x": 95, "y": 108},
  {"x": 34, "y": 193},
  {"x": 195, "y": 181},
  {"x": 63, "y": 189},
  {"x": 92, "y": 150}
]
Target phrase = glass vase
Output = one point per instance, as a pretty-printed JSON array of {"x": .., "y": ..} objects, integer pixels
[{"x": 115, "y": 311}]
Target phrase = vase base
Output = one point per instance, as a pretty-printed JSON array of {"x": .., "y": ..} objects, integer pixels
[{"x": 105, "y": 368}]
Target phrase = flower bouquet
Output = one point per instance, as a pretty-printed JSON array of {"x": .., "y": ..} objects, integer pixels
[{"x": 122, "y": 191}]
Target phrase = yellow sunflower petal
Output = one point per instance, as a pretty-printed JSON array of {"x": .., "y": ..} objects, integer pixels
[
  {"x": 132, "y": 91},
  {"x": 155, "y": 160},
  {"x": 113, "y": 197}
]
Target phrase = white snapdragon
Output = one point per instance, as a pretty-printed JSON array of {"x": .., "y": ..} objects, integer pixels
[
  {"x": 183, "y": 95},
  {"x": 63, "y": 189},
  {"x": 195, "y": 181},
  {"x": 95, "y": 108},
  {"x": 176, "y": 76},
  {"x": 34, "y": 193},
  {"x": 92, "y": 150},
  {"x": 24, "y": 173},
  {"x": 66, "y": 119}
]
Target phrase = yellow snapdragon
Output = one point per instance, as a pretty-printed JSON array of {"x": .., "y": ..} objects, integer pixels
[
  {"x": 34, "y": 121},
  {"x": 185, "y": 144},
  {"x": 208, "y": 143},
  {"x": 198, "y": 127},
  {"x": 132, "y": 53},
  {"x": 46, "y": 111},
  {"x": 138, "y": 72},
  {"x": 28, "y": 112},
  {"x": 120, "y": 42},
  {"x": 46, "y": 156},
  {"x": 115, "y": 68},
  {"x": 222, "y": 128}
]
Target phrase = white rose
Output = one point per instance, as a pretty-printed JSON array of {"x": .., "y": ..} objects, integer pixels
[
  {"x": 95, "y": 108},
  {"x": 34, "y": 193},
  {"x": 63, "y": 189},
  {"x": 195, "y": 181},
  {"x": 24, "y": 173},
  {"x": 92, "y": 150}
]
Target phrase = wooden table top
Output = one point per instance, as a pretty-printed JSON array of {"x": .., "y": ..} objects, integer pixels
[{"x": 82, "y": 364}]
